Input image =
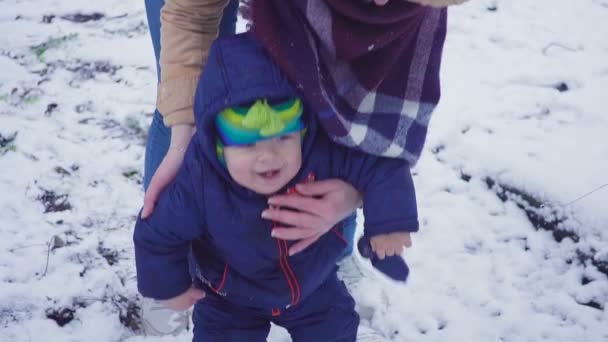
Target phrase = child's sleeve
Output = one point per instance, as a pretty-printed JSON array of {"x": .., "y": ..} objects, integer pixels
[
  {"x": 389, "y": 197},
  {"x": 162, "y": 241}
]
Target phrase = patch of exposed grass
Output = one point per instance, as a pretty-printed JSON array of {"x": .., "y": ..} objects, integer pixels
[
  {"x": 110, "y": 255},
  {"x": 544, "y": 216},
  {"x": 539, "y": 214},
  {"x": 82, "y": 17},
  {"x": 31, "y": 99},
  {"x": 7, "y": 144},
  {"x": 61, "y": 316},
  {"x": 54, "y": 202},
  {"x": 130, "y": 173},
  {"x": 52, "y": 43}
]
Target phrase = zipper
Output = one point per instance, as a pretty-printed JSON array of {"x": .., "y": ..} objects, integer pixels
[
  {"x": 292, "y": 281},
  {"x": 290, "y": 277}
]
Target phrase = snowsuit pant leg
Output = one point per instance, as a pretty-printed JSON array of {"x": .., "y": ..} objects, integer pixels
[
  {"x": 328, "y": 315},
  {"x": 217, "y": 320}
]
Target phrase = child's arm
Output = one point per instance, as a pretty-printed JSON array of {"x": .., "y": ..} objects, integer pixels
[
  {"x": 389, "y": 207},
  {"x": 389, "y": 197},
  {"x": 162, "y": 241}
]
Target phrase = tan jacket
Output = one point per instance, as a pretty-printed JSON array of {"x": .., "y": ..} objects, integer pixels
[{"x": 188, "y": 27}]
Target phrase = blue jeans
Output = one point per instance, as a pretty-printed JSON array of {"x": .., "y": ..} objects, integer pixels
[{"x": 159, "y": 136}]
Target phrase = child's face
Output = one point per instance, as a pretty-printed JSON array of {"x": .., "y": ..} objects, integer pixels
[{"x": 266, "y": 166}]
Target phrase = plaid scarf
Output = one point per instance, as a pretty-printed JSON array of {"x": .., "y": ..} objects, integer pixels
[{"x": 371, "y": 73}]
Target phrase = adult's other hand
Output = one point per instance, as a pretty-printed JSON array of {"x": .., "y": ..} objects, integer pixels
[
  {"x": 167, "y": 170},
  {"x": 319, "y": 206}
]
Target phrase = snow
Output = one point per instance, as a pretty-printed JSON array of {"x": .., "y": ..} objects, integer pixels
[{"x": 523, "y": 107}]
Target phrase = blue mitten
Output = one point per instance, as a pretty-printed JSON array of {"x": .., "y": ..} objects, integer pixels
[{"x": 392, "y": 266}]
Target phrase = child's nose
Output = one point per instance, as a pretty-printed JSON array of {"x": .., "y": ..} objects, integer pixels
[{"x": 267, "y": 150}]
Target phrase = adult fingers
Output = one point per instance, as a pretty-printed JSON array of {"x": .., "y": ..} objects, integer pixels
[
  {"x": 294, "y": 233},
  {"x": 157, "y": 184},
  {"x": 295, "y": 201},
  {"x": 149, "y": 202},
  {"x": 303, "y": 244},
  {"x": 336, "y": 198},
  {"x": 164, "y": 175},
  {"x": 180, "y": 137},
  {"x": 319, "y": 188},
  {"x": 292, "y": 218}
]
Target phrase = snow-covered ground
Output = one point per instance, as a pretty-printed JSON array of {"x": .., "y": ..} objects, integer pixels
[{"x": 510, "y": 249}]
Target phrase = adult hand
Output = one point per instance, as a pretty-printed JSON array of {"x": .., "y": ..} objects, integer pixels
[
  {"x": 180, "y": 137},
  {"x": 320, "y": 205},
  {"x": 185, "y": 300}
]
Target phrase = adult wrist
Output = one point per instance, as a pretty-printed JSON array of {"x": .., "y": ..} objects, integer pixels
[{"x": 180, "y": 136}]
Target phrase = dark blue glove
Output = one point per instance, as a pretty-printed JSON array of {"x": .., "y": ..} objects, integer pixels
[{"x": 393, "y": 266}]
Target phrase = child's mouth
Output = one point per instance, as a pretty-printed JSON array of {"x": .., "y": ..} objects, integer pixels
[{"x": 269, "y": 174}]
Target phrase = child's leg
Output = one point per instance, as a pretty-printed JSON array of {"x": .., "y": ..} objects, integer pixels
[
  {"x": 327, "y": 315},
  {"x": 215, "y": 319}
]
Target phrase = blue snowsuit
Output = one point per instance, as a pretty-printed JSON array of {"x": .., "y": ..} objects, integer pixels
[{"x": 248, "y": 276}]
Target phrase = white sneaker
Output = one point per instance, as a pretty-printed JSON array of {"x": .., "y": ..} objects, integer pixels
[
  {"x": 158, "y": 320},
  {"x": 350, "y": 272},
  {"x": 368, "y": 334}
]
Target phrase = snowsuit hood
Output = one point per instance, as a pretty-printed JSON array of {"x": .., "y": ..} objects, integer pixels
[{"x": 238, "y": 71}]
